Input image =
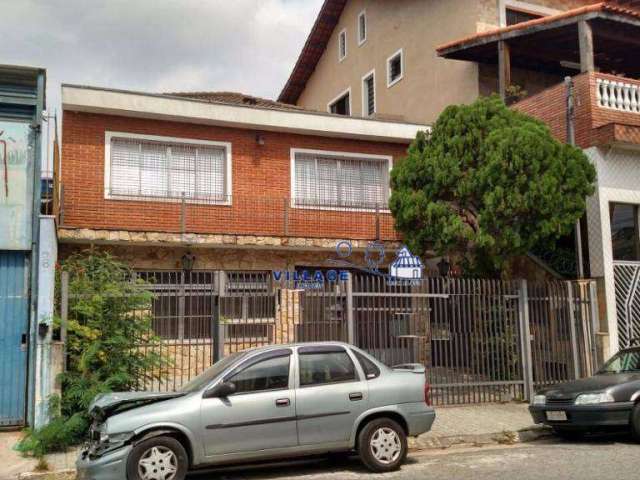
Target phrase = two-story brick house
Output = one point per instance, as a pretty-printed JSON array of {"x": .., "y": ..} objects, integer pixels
[
  {"x": 376, "y": 58},
  {"x": 209, "y": 193}
]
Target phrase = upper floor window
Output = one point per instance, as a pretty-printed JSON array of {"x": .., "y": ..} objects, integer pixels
[
  {"x": 150, "y": 167},
  {"x": 395, "y": 68},
  {"x": 362, "y": 27},
  {"x": 515, "y": 16},
  {"x": 334, "y": 179},
  {"x": 369, "y": 94},
  {"x": 342, "y": 45},
  {"x": 625, "y": 235},
  {"x": 341, "y": 105}
]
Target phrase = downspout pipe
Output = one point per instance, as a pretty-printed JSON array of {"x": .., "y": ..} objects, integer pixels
[{"x": 571, "y": 140}]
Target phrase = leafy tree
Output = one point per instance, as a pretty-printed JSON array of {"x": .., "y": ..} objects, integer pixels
[
  {"x": 487, "y": 184},
  {"x": 109, "y": 318}
]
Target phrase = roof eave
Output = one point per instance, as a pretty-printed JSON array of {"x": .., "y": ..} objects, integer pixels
[{"x": 160, "y": 107}]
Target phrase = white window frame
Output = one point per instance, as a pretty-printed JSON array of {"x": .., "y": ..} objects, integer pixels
[
  {"x": 365, "y": 99},
  {"x": 362, "y": 40},
  {"x": 343, "y": 33},
  {"x": 158, "y": 138},
  {"x": 338, "y": 97},
  {"x": 391, "y": 83},
  {"x": 329, "y": 153},
  {"x": 525, "y": 7}
]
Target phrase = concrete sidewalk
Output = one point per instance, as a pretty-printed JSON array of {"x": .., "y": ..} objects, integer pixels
[
  {"x": 462, "y": 425},
  {"x": 13, "y": 464},
  {"x": 479, "y": 425}
]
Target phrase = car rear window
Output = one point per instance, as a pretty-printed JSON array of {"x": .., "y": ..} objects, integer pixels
[
  {"x": 369, "y": 368},
  {"x": 318, "y": 368}
]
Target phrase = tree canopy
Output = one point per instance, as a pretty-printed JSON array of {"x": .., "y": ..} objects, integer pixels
[{"x": 486, "y": 184}]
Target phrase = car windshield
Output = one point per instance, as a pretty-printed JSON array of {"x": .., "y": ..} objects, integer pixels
[
  {"x": 210, "y": 373},
  {"x": 625, "y": 361}
]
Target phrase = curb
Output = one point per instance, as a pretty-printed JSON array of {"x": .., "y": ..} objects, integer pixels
[
  {"x": 48, "y": 475},
  {"x": 498, "y": 438}
]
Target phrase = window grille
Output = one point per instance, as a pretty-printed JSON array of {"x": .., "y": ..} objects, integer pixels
[
  {"x": 334, "y": 181},
  {"x": 369, "y": 95},
  {"x": 167, "y": 170},
  {"x": 395, "y": 68},
  {"x": 362, "y": 28},
  {"x": 342, "y": 45}
]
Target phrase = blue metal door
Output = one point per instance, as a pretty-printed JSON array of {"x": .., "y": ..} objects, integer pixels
[{"x": 14, "y": 321}]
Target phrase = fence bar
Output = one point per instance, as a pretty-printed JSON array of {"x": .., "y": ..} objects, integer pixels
[{"x": 525, "y": 339}]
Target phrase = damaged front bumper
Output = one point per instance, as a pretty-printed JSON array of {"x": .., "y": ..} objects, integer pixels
[{"x": 109, "y": 466}]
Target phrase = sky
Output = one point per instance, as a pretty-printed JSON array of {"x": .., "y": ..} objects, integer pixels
[{"x": 248, "y": 46}]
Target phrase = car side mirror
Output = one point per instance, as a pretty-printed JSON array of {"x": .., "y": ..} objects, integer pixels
[{"x": 222, "y": 390}]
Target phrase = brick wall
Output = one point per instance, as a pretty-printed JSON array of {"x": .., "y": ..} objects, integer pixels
[
  {"x": 550, "y": 107},
  {"x": 594, "y": 125},
  {"x": 260, "y": 183}
]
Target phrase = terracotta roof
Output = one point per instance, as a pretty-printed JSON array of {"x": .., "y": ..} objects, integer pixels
[
  {"x": 628, "y": 8},
  {"x": 235, "y": 98},
  {"x": 313, "y": 49}
]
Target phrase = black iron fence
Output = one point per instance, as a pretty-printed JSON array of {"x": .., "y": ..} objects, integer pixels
[{"x": 481, "y": 340}]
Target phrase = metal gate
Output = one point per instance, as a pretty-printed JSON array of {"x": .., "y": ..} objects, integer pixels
[
  {"x": 14, "y": 315},
  {"x": 480, "y": 340},
  {"x": 627, "y": 287}
]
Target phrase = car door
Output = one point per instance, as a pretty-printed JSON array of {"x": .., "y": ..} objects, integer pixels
[
  {"x": 330, "y": 395},
  {"x": 260, "y": 415}
]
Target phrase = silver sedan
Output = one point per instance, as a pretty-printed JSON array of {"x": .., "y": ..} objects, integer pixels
[{"x": 262, "y": 404}]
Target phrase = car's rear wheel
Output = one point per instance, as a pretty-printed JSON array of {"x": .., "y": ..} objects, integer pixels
[
  {"x": 635, "y": 422},
  {"x": 158, "y": 458},
  {"x": 382, "y": 445}
]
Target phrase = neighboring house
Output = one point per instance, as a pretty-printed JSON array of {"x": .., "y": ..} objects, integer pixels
[
  {"x": 206, "y": 194},
  {"x": 27, "y": 251},
  {"x": 596, "y": 44},
  {"x": 371, "y": 58}
]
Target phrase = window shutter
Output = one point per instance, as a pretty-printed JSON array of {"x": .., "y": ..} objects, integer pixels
[
  {"x": 334, "y": 181},
  {"x": 143, "y": 168}
]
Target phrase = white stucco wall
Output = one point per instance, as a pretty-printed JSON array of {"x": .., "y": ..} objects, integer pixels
[{"x": 618, "y": 170}]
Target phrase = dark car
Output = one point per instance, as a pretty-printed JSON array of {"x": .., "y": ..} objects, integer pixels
[{"x": 609, "y": 399}]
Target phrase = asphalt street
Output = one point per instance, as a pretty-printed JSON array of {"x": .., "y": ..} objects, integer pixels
[{"x": 613, "y": 457}]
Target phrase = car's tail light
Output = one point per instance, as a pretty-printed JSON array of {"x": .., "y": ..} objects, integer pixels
[{"x": 427, "y": 393}]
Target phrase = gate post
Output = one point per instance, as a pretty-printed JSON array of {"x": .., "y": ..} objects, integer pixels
[
  {"x": 572, "y": 332},
  {"x": 218, "y": 331},
  {"x": 595, "y": 325},
  {"x": 64, "y": 315},
  {"x": 525, "y": 339},
  {"x": 351, "y": 331}
]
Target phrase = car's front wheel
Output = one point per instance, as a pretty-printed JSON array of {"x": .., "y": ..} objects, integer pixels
[
  {"x": 382, "y": 445},
  {"x": 158, "y": 458}
]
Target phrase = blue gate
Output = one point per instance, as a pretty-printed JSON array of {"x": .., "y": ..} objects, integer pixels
[{"x": 14, "y": 315}]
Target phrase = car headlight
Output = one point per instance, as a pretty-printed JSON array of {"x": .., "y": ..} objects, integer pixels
[
  {"x": 114, "y": 438},
  {"x": 539, "y": 400},
  {"x": 594, "y": 398}
]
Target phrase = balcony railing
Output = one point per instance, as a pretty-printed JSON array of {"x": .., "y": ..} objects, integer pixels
[
  {"x": 254, "y": 215},
  {"x": 618, "y": 95}
]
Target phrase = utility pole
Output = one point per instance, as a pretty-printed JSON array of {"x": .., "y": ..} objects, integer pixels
[{"x": 571, "y": 140}]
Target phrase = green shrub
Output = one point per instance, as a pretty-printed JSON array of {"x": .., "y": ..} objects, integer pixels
[{"x": 109, "y": 318}]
